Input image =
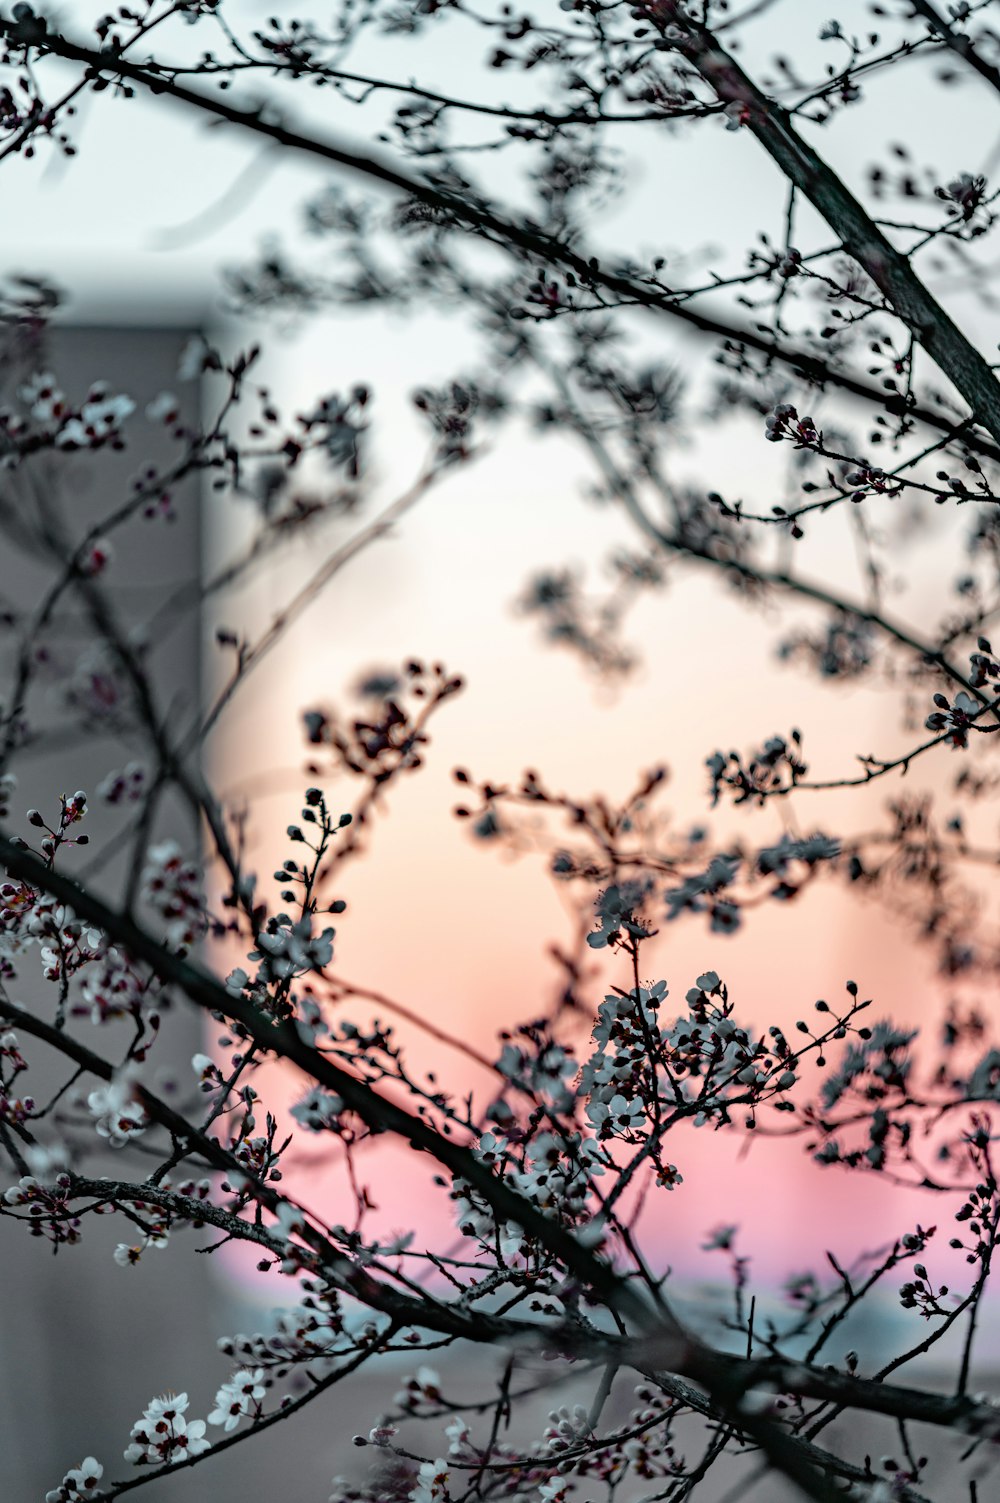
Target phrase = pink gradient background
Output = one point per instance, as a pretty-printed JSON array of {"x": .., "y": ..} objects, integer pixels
[
  {"x": 454, "y": 930},
  {"x": 458, "y": 932}
]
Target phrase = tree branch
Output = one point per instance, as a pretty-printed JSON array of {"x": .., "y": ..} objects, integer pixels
[
  {"x": 861, "y": 237},
  {"x": 477, "y": 219}
]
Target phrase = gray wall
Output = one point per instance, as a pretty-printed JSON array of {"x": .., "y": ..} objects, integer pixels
[{"x": 84, "y": 1343}]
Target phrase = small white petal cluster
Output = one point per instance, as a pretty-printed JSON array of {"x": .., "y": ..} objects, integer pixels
[
  {"x": 172, "y": 886},
  {"x": 28, "y": 917},
  {"x": 238, "y": 1397},
  {"x": 554, "y": 1172},
  {"x": 459, "y": 1438},
  {"x": 545, "y": 1069},
  {"x": 706, "y": 1057},
  {"x": 125, "y": 787},
  {"x": 432, "y": 1482},
  {"x": 622, "y": 1033},
  {"x": 558, "y": 1170},
  {"x": 44, "y": 398},
  {"x": 118, "y": 1113},
  {"x": 618, "y": 1117},
  {"x": 80, "y": 1482},
  {"x": 46, "y": 1160},
  {"x": 163, "y": 1435},
  {"x": 288, "y": 948},
  {"x": 474, "y": 1218},
  {"x": 422, "y": 1391},
  {"x": 208, "y": 1073},
  {"x": 619, "y": 909},
  {"x": 99, "y": 419},
  {"x": 112, "y": 988},
  {"x": 954, "y": 718},
  {"x": 196, "y": 357},
  {"x": 881, "y": 1492},
  {"x": 128, "y": 1254},
  {"x": 164, "y": 408},
  {"x": 702, "y": 889},
  {"x": 319, "y": 1110}
]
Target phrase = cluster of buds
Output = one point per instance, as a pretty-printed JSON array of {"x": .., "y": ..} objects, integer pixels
[
  {"x": 72, "y": 809},
  {"x": 783, "y": 422},
  {"x": 869, "y": 479},
  {"x": 48, "y": 1208},
  {"x": 982, "y": 664}
]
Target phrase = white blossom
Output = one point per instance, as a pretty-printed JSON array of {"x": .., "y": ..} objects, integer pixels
[
  {"x": 318, "y": 1110},
  {"x": 432, "y": 1482},
  {"x": 238, "y": 1397},
  {"x": 163, "y": 408},
  {"x": 119, "y": 1115},
  {"x": 80, "y": 1482},
  {"x": 164, "y": 1435}
]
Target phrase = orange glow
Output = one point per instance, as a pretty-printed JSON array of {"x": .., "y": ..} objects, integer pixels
[{"x": 458, "y": 932}]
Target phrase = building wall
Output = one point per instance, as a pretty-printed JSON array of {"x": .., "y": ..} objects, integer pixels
[{"x": 84, "y": 1343}]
